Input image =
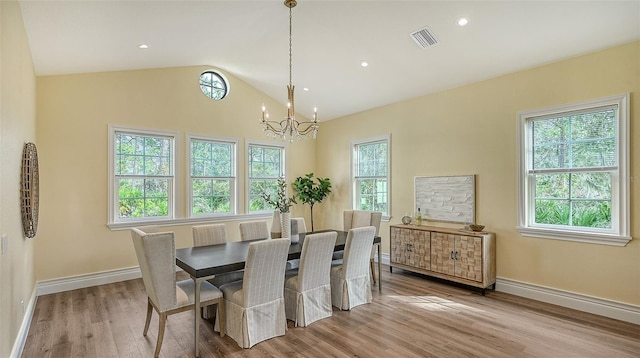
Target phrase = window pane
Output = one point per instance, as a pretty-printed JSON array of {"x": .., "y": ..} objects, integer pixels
[
  {"x": 256, "y": 188},
  {"x": 372, "y": 159},
  {"x": 143, "y": 197},
  {"x": 211, "y": 196},
  {"x": 552, "y": 186},
  {"x": 265, "y": 167},
  {"x": 372, "y": 194},
  {"x": 592, "y": 213},
  {"x": 142, "y": 155},
  {"x": 211, "y": 159},
  {"x": 265, "y": 162},
  {"x": 575, "y": 141},
  {"x": 574, "y": 199},
  {"x": 554, "y": 212}
]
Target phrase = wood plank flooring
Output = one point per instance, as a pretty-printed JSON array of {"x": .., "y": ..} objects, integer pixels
[{"x": 413, "y": 317}]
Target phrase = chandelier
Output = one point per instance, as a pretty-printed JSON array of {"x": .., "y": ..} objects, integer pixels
[{"x": 289, "y": 127}]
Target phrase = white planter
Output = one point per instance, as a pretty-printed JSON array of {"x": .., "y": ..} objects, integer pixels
[
  {"x": 276, "y": 225},
  {"x": 286, "y": 224}
]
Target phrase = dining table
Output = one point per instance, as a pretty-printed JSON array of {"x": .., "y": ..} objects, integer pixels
[{"x": 205, "y": 262}]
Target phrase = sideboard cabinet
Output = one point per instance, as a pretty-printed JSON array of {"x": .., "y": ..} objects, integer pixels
[{"x": 461, "y": 256}]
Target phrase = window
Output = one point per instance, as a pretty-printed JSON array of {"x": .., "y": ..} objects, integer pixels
[
  {"x": 371, "y": 179},
  {"x": 212, "y": 173},
  {"x": 265, "y": 165},
  {"x": 573, "y": 176},
  {"x": 214, "y": 85},
  {"x": 142, "y": 175}
]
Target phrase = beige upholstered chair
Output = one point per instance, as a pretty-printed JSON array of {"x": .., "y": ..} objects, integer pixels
[
  {"x": 298, "y": 223},
  {"x": 361, "y": 218},
  {"x": 254, "y": 230},
  {"x": 350, "y": 283},
  {"x": 214, "y": 234},
  {"x": 210, "y": 234},
  {"x": 254, "y": 307},
  {"x": 307, "y": 293},
  {"x": 156, "y": 254},
  {"x": 149, "y": 229}
]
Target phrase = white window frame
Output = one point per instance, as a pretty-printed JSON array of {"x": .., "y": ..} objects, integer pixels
[
  {"x": 619, "y": 234},
  {"x": 173, "y": 194},
  {"x": 234, "y": 177},
  {"x": 283, "y": 171},
  {"x": 386, "y": 216}
]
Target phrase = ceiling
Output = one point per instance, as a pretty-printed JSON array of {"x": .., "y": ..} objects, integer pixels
[{"x": 249, "y": 39}]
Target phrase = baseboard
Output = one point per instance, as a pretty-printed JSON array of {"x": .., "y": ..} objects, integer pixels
[
  {"x": 603, "y": 307},
  {"x": 21, "y": 339},
  {"x": 88, "y": 280}
]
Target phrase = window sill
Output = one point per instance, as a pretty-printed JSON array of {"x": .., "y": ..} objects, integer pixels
[
  {"x": 189, "y": 221},
  {"x": 590, "y": 238}
]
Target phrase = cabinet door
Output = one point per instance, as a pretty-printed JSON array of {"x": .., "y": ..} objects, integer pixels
[
  {"x": 442, "y": 251},
  {"x": 399, "y": 240},
  {"x": 469, "y": 258},
  {"x": 420, "y": 249}
]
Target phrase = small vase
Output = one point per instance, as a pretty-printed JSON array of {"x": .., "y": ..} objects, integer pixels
[
  {"x": 276, "y": 227},
  {"x": 286, "y": 225}
]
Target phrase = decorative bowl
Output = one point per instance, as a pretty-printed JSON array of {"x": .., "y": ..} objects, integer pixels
[
  {"x": 476, "y": 227},
  {"x": 406, "y": 219}
]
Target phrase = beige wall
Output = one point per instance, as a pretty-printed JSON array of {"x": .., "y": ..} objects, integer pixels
[
  {"x": 17, "y": 126},
  {"x": 74, "y": 112},
  {"x": 472, "y": 130}
]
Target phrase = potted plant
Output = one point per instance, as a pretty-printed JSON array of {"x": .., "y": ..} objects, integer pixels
[
  {"x": 310, "y": 192},
  {"x": 282, "y": 204}
]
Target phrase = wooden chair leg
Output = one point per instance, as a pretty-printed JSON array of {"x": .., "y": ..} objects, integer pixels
[
  {"x": 221, "y": 316},
  {"x": 162, "y": 323},
  {"x": 373, "y": 270},
  {"x": 149, "y": 311}
]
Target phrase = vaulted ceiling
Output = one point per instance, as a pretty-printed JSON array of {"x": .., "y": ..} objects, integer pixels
[{"x": 249, "y": 39}]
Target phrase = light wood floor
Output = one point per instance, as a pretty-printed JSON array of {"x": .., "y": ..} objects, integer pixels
[{"x": 413, "y": 317}]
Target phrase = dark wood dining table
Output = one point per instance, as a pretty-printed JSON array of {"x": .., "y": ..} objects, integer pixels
[{"x": 204, "y": 262}]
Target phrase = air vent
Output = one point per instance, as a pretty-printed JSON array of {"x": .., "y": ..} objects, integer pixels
[{"x": 424, "y": 37}]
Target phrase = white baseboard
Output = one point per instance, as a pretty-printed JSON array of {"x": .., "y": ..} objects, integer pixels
[
  {"x": 21, "y": 339},
  {"x": 88, "y": 280},
  {"x": 603, "y": 307}
]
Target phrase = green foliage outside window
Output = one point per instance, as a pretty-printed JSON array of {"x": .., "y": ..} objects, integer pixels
[
  {"x": 371, "y": 177},
  {"x": 142, "y": 167},
  {"x": 574, "y": 151},
  {"x": 212, "y": 176}
]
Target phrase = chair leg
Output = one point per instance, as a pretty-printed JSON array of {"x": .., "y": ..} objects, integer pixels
[
  {"x": 221, "y": 316},
  {"x": 162, "y": 323},
  {"x": 146, "y": 324},
  {"x": 373, "y": 270}
]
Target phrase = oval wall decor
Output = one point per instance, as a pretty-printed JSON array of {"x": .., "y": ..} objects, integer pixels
[{"x": 29, "y": 190}]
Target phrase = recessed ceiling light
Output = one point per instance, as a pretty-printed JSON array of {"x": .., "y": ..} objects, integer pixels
[
  {"x": 364, "y": 63},
  {"x": 143, "y": 46},
  {"x": 305, "y": 89},
  {"x": 463, "y": 21}
]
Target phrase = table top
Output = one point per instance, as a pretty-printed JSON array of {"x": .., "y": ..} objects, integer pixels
[{"x": 203, "y": 261}]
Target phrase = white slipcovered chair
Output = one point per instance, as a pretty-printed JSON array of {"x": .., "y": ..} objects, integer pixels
[
  {"x": 307, "y": 291},
  {"x": 254, "y": 307},
  {"x": 214, "y": 234},
  {"x": 350, "y": 283},
  {"x": 156, "y": 254},
  {"x": 210, "y": 234},
  {"x": 254, "y": 230},
  {"x": 297, "y": 227},
  {"x": 361, "y": 218}
]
